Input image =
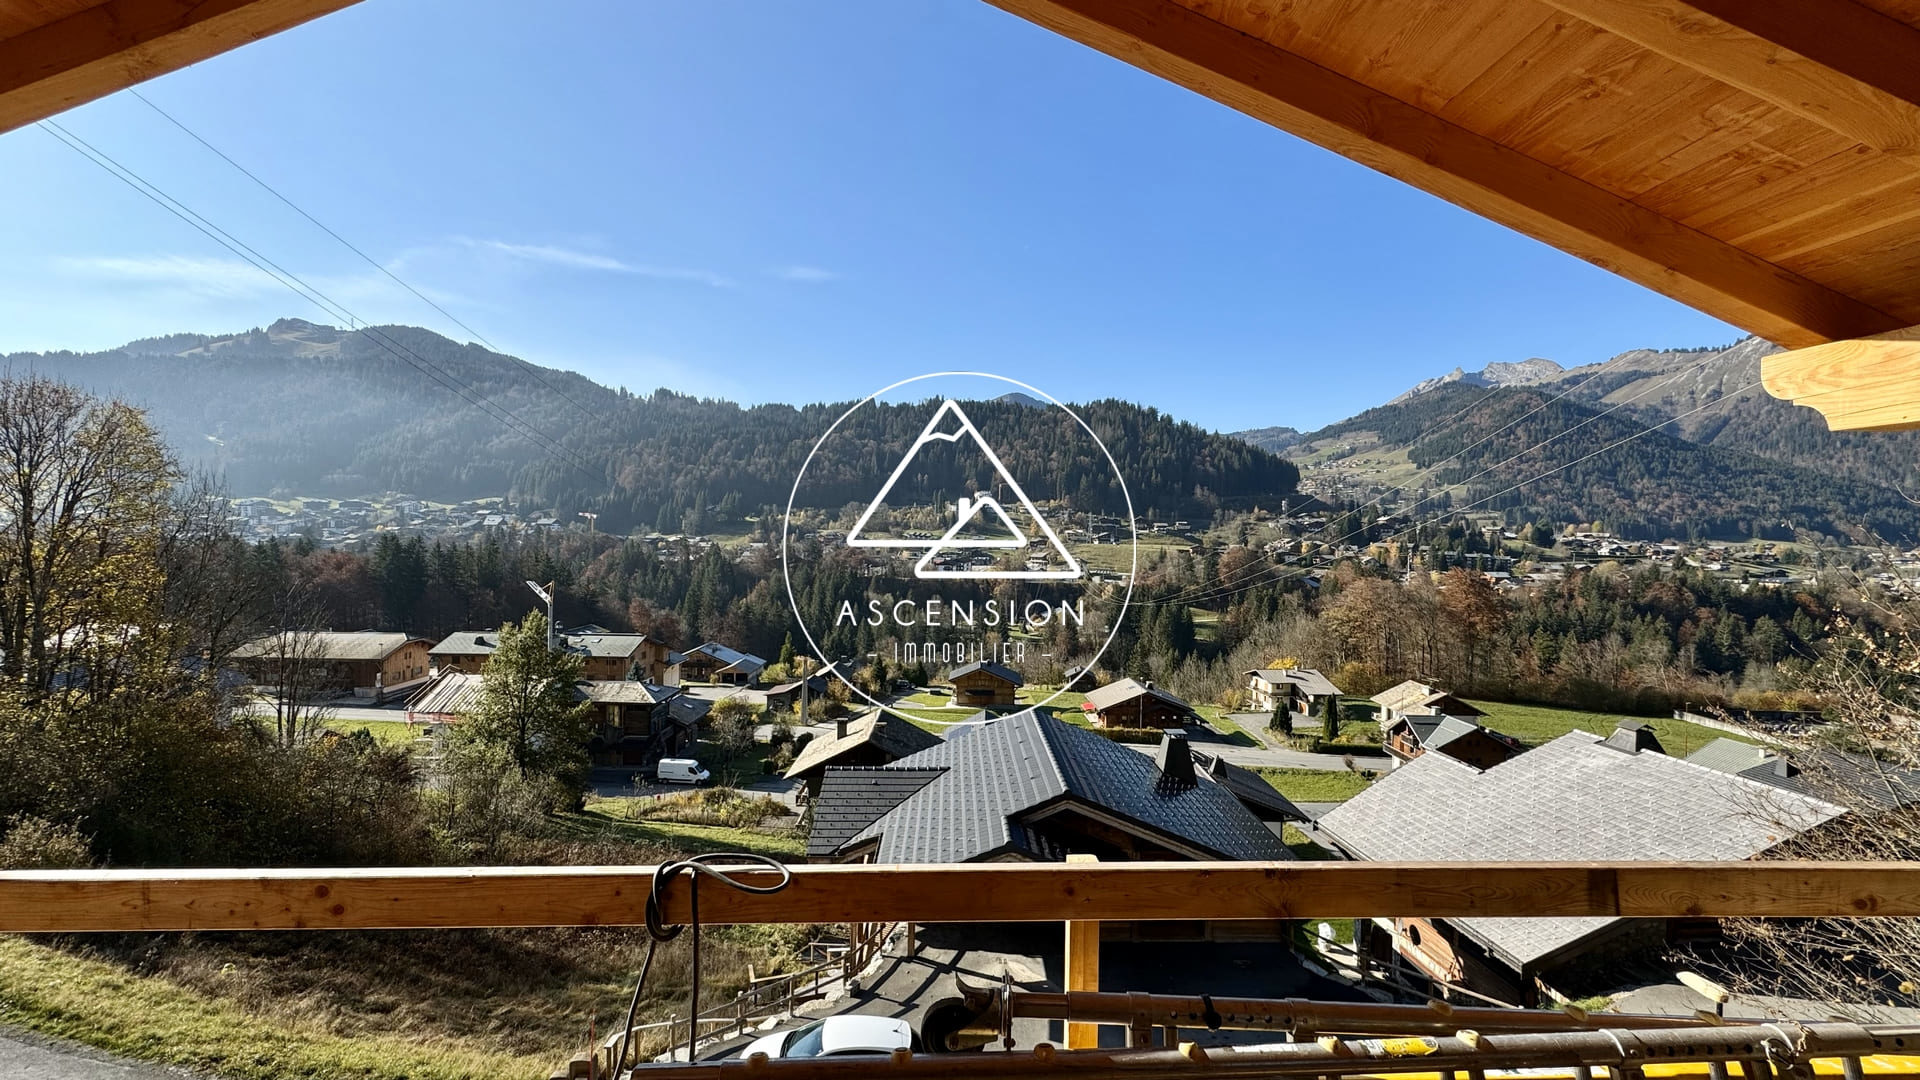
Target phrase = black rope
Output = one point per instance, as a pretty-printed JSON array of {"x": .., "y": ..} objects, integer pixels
[{"x": 722, "y": 865}]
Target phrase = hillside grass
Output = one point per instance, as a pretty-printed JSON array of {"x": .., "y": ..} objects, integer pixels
[
  {"x": 1537, "y": 724},
  {"x": 611, "y": 818},
  {"x": 102, "y": 1004}
]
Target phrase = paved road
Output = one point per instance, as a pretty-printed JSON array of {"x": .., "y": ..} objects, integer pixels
[{"x": 26, "y": 1056}]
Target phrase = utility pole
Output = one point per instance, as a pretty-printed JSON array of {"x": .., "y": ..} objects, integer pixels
[
  {"x": 591, "y": 519},
  {"x": 546, "y": 592}
]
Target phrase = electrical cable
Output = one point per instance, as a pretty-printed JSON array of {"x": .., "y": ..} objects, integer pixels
[
  {"x": 532, "y": 368},
  {"x": 722, "y": 866},
  {"x": 396, "y": 349}
]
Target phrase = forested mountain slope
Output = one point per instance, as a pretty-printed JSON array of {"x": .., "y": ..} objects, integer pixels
[{"x": 297, "y": 408}]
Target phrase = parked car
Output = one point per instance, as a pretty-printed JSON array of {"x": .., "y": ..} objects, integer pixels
[
  {"x": 837, "y": 1036},
  {"x": 681, "y": 770}
]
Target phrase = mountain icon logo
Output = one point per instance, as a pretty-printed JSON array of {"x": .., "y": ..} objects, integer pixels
[{"x": 950, "y": 424}]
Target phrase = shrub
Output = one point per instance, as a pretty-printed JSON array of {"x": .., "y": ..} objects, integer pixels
[
  {"x": 709, "y": 806},
  {"x": 34, "y": 843},
  {"x": 1142, "y": 735}
]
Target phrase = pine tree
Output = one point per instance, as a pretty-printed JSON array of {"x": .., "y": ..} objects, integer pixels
[{"x": 527, "y": 704}]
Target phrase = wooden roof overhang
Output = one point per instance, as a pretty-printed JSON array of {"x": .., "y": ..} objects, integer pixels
[{"x": 1756, "y": 159}]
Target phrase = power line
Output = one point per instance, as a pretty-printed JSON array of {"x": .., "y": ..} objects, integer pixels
[
  {"x": 532, "y": 368},
  {"x": 399, "y": 350}
]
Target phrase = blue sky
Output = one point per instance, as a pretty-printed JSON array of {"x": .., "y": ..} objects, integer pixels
[{"x": 789, "y": 202}]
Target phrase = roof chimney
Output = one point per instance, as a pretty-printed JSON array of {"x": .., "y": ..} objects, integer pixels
[
  {"x": 1175, "y": 761},
  {"x": 840, "y": 728},
  {"x": 1633, "y": 736}
]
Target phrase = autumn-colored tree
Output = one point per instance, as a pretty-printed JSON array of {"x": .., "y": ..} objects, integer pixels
[
  {"x": 83, "y": 514},
  {"x": 1475, "y": 615}
]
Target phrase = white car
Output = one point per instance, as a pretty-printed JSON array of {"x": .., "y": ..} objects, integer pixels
[{"x": 836, "y": 1036}]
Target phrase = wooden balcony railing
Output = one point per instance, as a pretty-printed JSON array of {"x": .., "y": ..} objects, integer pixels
[{"x": 366, "y": 899}]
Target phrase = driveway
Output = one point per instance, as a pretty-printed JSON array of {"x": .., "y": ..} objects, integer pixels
[{"x": 26, "y": 1056}]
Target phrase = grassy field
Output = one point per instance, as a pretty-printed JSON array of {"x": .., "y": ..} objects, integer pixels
[
  {"x": 384, "y": 732},
  {"x": 1315, "y": 785},
  {"x": 610, "y": 817},
  {"x": 1536, "y": 724}
]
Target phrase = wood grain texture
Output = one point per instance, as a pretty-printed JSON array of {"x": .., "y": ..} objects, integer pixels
[
  {"x": 1083, "y": 965},
  {"x": 1457, "y": 164},
  {"x": 123, "y": 900},
  {"x": 1868, "y": 384},
  {"x": 110, "y": 46},
  {"x": 1841, "y": 65}
]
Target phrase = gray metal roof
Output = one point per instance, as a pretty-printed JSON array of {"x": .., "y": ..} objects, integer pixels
[
  {"x": 326, "y": 645},
  {"x": 1123, "y": 690},
  {"x": 998, "y": 671},
  {"x": 483, "y": 642},
  {"x": 450, "y": 693},
  {"x": 1310, "y": 681},
  {"x": 622, "y": 691},
  {"x": 854, "y": 798},
  {"x": 1571, "y": 800},
  {"x": 1730, "y": 755},
  {"x": 1001, "y": 771}
]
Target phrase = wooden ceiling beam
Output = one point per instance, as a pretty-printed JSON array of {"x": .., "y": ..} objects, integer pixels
[
  {"x": 1846, "y": 67},
  {"x": 119, "y": 43},
  {"x": 1866, "y": 384},
  {"x": 1469, "y": 170}
]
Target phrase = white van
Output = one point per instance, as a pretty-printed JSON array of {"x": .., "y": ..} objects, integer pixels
[{"x": 681, "y": 770}]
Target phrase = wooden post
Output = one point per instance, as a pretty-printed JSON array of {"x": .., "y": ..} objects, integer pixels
[{"x": 1083, "y": 968}]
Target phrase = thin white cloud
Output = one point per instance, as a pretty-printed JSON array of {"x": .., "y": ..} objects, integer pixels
[
  {"x": 200, "y": 276},
  {"x": 811, "y": 275},
  {"x": 574, "y": 259}
]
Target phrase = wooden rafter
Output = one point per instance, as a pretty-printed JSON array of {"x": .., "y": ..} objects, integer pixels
[
  {"x": 1843, "y": 66},
  {"x": 1867, "y": 384},
  {"x": 1477, "y": 173},
  {"x": 113, "y": 45},
  {"x": 362, "y": 899}
]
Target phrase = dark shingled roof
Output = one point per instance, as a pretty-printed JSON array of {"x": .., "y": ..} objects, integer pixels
[
  {"x": 851, "y": 799},
  {"x": 1249, "y": 787},
  {"x": 1822, "y": 772},
  {"x": 1002, "y": 770}
]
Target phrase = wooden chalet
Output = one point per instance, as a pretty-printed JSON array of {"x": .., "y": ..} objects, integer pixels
[
  {"x": 713, "y": 662},
  {"x": 1415, "y": 698},
  {"x": 368, "y": 664},
  {"x": 1301, "y": 690},
  {"x": 876, "y": 737},
  {"x": 635, "y": 723},
  {"x": 603, "y": 655},
  {"x": 983, "y": 685},
  {"x": 1455, "y": 736},
  {"x": 1136, "y": 704},
  {"x": 1579, "y": 797}
]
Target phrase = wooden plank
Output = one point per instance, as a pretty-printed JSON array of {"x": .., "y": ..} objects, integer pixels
[
  {"x": 122, "y": 900},
  {"x": 114, "y": 45},
  {"x": 1841, "y": 65},
  {"x": 1869, "y": 384},
  {"x": 1477, "y": 173},
  {"x": 1083, "y": 966}
]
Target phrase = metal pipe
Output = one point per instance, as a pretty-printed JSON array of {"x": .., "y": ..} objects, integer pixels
[
  {"x": 1295, "y": 1014},
  {"x": 1615, "y": 1049}
]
